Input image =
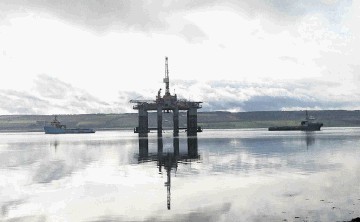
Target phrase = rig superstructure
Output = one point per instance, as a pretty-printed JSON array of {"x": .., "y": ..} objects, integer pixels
[{"x": 167, "y": 103}]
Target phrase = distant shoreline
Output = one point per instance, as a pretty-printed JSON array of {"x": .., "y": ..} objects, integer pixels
[
  {"x": 130, "y": 130},
  {"x": 36, "y": 131},
  {"x": 207, "y": 120}
]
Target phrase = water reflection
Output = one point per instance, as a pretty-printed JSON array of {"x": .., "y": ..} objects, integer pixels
[
  {"x": 310, "y": 138},
  {"x": 168, "y": 160},
  {"x": 55, "y": 144},
  {"x": 249, "y": 175}
]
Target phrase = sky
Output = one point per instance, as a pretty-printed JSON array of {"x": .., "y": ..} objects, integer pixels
[{"x": 92, "y": 56}]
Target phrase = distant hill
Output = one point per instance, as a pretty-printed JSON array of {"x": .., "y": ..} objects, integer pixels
[
  {"x": 208, "y": 120},
  {"x": 265, "y": 119}
]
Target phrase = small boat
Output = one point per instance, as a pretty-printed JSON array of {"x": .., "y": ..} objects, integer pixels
[
  {"x": 309, "y": 124},
  {"x": 57, "y": 128}
]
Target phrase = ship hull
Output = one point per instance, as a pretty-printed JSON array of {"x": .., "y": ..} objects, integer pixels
[
  {"x": 312, "y": 127},
  {"x": 54, "y": 130}
]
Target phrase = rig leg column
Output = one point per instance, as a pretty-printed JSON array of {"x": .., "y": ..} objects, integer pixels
[
  {"x": 192, "y": 122},
  {"x": 143, "y": 148},
  {"x": 192, "y": 147},
  {"x": 176, "y": 121},
  {"x": 159, "y": 121},
  {"x": 143, "y": 122},
  {"x": 160, "y": 145},
  {"x": 176, "y": 146}
]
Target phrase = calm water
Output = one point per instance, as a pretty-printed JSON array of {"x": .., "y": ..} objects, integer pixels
[{"x": 223, "y": 175}]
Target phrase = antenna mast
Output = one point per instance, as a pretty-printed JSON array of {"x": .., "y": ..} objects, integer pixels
[{"x": 166, "y": 79}]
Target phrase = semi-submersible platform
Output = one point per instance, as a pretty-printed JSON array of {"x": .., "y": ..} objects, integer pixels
[{"x": 167, "y": 103}]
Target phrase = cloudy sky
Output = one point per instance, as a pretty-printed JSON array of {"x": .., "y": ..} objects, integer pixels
[{"x": 93, "y": 56}]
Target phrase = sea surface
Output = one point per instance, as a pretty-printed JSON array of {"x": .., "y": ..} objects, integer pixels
[{"x": 221, "y": 175}]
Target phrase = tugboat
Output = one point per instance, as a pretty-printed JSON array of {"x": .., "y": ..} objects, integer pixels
[
  {"x": 57, "y": 128},
  {"x": 309, "y": 124}
]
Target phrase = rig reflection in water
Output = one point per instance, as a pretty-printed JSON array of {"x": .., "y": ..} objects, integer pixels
[{"x": 168, "y": 160}]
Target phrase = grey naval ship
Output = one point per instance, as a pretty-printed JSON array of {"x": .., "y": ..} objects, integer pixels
[
  {"x": 309, "y": 124},
  {"x": 56, "y": 127}
]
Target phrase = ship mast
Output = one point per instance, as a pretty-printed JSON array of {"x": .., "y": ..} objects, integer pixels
[{"x": 166, "y": 79}]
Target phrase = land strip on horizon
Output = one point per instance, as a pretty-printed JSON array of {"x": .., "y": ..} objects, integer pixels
[{"x": 207, "y": 120}]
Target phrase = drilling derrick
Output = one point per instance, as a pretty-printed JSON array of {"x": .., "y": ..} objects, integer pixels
[
  {"x": 168, "y": 101},
  {"x": 166, "y": 79}
]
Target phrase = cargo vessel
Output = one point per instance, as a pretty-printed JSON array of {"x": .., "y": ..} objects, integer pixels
[
  {"x": 309, "y": 124},
  {"x": 57, "y": 128}
]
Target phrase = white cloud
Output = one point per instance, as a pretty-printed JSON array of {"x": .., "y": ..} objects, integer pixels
[{"x": 216, "y": 41}]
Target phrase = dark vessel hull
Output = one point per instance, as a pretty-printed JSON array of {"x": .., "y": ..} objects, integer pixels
[
  {"x": 310, "y": 127},
  {"x": 55, "y": 130}
]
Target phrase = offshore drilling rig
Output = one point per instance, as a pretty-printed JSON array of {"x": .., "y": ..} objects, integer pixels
[{"x": 167, "y": 103}]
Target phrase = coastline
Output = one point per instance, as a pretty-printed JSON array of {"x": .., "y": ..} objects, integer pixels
[{"x": 207, "y": 120}]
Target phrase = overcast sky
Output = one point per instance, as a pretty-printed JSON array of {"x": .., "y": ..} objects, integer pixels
[{"x": 92, "y": 56}]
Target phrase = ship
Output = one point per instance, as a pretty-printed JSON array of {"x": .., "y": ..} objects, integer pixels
[
  {"x": 309, "y": 124},
  {"x": 56, "y": 127}
]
